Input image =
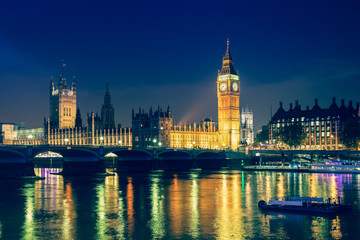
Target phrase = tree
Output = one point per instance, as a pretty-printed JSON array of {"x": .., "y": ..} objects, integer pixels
[
  {"x": 292, "y": 135},
  {"x": 350, "y": 134},
  {"x": 262, "y": 136}
]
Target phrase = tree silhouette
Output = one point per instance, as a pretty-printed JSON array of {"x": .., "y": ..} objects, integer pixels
[
  {"x": 262, "y": 136},
  {"x": 350, "y": 134},
  {"x": 292, "y": 135}
]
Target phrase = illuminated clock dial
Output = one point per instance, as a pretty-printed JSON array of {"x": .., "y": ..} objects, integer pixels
[
  {"x": 223, "y": 86},
  {"x": 235, "y": 87}
]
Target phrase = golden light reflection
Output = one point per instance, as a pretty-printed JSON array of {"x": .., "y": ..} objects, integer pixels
[
  {"x": 313, "y": 184},
  {"x": 69, "y": 213},
  {"x": 175, "y": 205},
  {"x": 229, "y": 224},
  {"x": 101, "y": 212},
  {"x": 114, "y": 207},
  {"x": 194, "y": 202},
  {"x": 157, "y": 221},
  {"x": 28, "y": 228},
  {"x": 333, "y": 187},
  {"x": 335, "y": 229},
  {"x": 280, "y": 186},
  {"x": 130, "y": 206},
  {"x": 121, "y": 223}
]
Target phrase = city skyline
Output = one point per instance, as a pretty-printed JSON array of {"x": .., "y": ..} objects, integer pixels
[{"x": 282, "y": 52}]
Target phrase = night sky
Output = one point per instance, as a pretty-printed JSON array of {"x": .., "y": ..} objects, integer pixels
[{"x": 169, "y": 52}]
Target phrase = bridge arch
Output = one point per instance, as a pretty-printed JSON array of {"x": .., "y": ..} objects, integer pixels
[
  {"x": 82, "y": 154},
  {"x": 131, "y": 154},
  {"x": 14, "y": 164},
  {"x": 208, "y": 155},
  {"x": 174, "y": 154},
  {"x": 11, "y": 156},
  {"x": 78, "y": 161}
]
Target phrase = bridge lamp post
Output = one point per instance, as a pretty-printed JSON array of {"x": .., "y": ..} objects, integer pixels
[
  {"x": 194, "y": 144},
  {"x": 224, "y": 146},
  {"x": 119, "y": 142},
  {"x": 101, "y": 140},
  {"x": 160, "y": 144},
  {"x": 154, "y": 141},
  {"x": 66, "y": 140},
  {"x": 30, "y": 137}
]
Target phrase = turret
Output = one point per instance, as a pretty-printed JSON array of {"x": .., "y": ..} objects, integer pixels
[
  {"x": 73, "y": 85},
  {"x": 78, "y": 120}
]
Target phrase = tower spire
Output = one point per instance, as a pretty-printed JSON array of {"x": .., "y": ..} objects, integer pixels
[{"x": 228, "y": 65}]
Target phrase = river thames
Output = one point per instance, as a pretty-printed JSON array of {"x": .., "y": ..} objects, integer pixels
[{"x": 173, "y": 205}]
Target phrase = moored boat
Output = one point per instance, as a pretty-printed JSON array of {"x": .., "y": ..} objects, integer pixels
[
  {"x": 305, "y": 204},
  {"x": 336, "y": 166}
]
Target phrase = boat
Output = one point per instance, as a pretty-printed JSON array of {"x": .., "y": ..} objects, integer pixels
[
  {"x": 305, "y": 204},
  {"x": 336, "y": 166}
]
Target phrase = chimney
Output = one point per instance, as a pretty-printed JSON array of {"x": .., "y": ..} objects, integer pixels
[
  {"x": 281, "y": 104},
  {"x": 296, "y": 103},
  {"x": 291, "y": 106},
  {"x": 342, "y": 102},
  {"x": 334, "y": 100},
  {"x": 350, "y": 104},
  {"x": 316, "y": 101},
  {"x": 307, "y": 108}
]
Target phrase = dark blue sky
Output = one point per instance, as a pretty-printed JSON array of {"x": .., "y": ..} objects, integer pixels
[{"x": 169, "y": 52}]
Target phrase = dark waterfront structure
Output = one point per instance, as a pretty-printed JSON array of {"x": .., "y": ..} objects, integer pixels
[{"x": 322, "y": 126}]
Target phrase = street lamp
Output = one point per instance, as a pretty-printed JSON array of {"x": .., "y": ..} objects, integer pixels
[
  {"x": 66, "y": 140},
  {"x": 154, "y": 141},
  {"x": 101, "y": 140},
  {"x": 30, "y": 138},
  {"x": 160, "y": 144},
  {"x": 119, "y": 142}
]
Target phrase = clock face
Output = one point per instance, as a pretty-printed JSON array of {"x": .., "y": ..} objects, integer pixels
[
  {"x": 235, "y": 87},
  {"x": 223, "y": 86}
]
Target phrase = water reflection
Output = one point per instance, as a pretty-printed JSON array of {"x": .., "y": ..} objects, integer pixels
[{"x": 160, "y": 205}]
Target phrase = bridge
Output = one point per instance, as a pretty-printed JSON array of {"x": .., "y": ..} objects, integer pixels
[{"x": 17, "y": 160}]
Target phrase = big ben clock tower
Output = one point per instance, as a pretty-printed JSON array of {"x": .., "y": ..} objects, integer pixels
[{"x": 228, "y": 93}]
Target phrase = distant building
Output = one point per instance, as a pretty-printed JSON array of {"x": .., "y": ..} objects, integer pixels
[
  {"x": 7, "y": 132},
  {"x": 34, "y": 136},
  {"x": 322, "y": 126},
  {"x": 246, "y": 126}
]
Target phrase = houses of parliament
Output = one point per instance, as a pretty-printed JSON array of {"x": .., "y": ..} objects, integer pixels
[{"x": 154, "y": 128}]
